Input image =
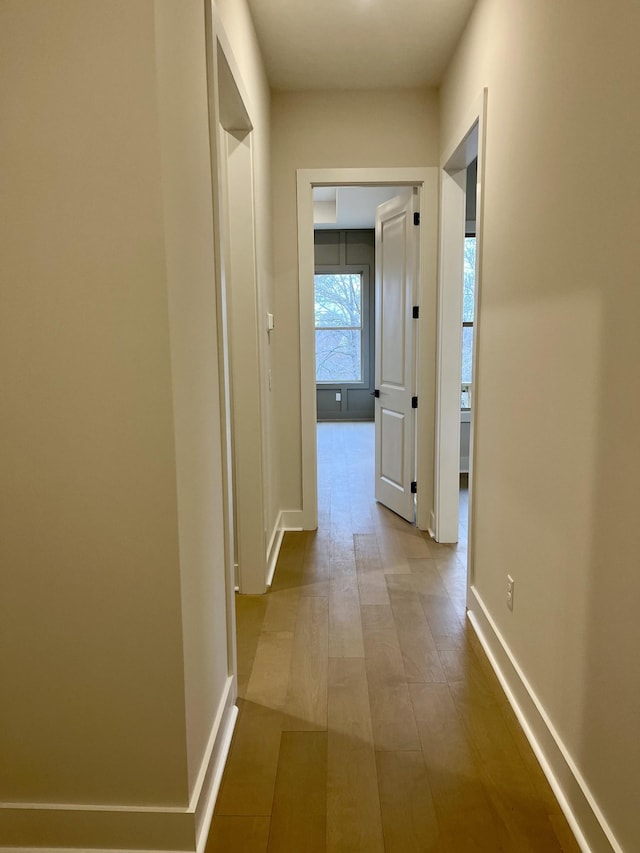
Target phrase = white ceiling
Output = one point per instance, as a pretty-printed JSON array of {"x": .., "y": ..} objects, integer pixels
[
  {"x": 349, "y": 207},
  {"x": 357, "y": 44}
]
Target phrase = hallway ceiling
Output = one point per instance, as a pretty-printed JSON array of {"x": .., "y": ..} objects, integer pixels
[{"x": 357, "y": 44}]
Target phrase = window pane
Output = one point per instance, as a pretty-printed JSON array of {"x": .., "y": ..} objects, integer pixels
[
  {"x": 467, "y": 353},
  {"x": 338, "y": 300},
  {"x": 469, "y": 278},
  {"x": 338, "y": 355}
]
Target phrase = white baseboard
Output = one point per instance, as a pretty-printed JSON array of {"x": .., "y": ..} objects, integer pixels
[
  {"x": 205, "y": 791},
  {"x": 203, "y": 810},
  {"x": 293, "y": 519},
  {"x": 144, "y": 829},
  {"x": 288, "y": 520},
  {"x": 274, "y": 548},
  {"x": 583, "y": 814}
]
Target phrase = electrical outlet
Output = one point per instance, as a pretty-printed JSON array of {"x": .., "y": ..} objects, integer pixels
[
  {"x": 338, "y": 397},
  {"x": 510, "y": 587}
]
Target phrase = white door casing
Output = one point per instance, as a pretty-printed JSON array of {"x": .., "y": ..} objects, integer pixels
[{"x": 395, "y": 361}]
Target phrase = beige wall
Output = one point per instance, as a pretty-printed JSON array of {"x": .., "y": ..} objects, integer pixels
[
  {"x": 113, "y": 654},
  {"x": 328, "y": 130},
  {"x": 558, "y": 463},
  {"x": 91, "y": 594},
  {"x": 190, "y": 272}
]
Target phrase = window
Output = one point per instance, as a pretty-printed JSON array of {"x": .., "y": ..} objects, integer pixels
[
  {"x": 468, "y": 307},
  {"x": 339, "y": 333}
]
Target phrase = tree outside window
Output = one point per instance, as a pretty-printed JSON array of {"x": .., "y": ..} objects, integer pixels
[{"x": 338, "y": 320}]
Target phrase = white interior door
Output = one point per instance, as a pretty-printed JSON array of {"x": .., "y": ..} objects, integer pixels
[{"x": 396, "y": 277}]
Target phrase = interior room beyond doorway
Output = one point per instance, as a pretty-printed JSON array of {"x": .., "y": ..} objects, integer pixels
[
  {"x": 346, "y": 488},
  {"x": 344, "y": 220}
]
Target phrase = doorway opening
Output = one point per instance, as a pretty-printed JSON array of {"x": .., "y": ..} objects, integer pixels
[
  {"x": 346, "y": 328},
  {"x": 458, "y": 321},
  {"x": 468, "y": 326},
  {"x": 365, "y": 304},
  {"x": 419, "y": 444}
]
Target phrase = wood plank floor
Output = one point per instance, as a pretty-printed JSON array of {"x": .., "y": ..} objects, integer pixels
[{"x": 370, "y": 719}]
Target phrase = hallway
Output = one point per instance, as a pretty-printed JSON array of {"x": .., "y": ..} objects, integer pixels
[{"x": 370, "y": 718}]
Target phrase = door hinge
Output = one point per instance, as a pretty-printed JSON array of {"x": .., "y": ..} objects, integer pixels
[
  {"x": 375, "y": 393},
  {"x": 414, "y": 402},
  {"x": 416, "y": 218},
  {"x": 414, "y": 487},
  {"x": 416, "y": 312}
]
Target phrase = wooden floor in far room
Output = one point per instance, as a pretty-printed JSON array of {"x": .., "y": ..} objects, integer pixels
[{"x": 370, "y": 718}]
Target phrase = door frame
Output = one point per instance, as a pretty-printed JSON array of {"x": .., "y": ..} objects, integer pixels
[
  {"x": 468, "y": 142},
  {"x": 426, "y": 180},
  {"x": 231, "y": 128}
]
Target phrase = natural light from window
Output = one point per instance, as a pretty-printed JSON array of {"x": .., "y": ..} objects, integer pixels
[
  {"x": 338, "y": 314},
  {"x": 468, "y": 307}
]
